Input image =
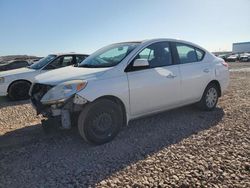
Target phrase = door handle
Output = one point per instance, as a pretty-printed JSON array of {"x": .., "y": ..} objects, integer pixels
[
  {"x": 206, "y": 70},
  {"x": 171, "y": 76}
]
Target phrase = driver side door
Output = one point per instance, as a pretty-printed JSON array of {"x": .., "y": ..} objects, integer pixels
[{"x": 156, "y": 87}]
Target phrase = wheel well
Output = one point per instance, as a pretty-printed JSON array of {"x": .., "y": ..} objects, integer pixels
[
  {"x": 118, "y": 102},
  {"x": 217, "y": 84},
  {"x": 18, "y": 81}
]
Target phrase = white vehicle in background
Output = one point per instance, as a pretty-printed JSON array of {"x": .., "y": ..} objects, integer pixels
[
  {"x": 128, "y": 80},
  {"x": 233, "y": 58},
  {"x": 245, "y": 57},
  {"x": 16, "y": 83}
]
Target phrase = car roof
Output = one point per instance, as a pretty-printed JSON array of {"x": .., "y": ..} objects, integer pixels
[
  {"x": 153, "y": 40},
  {"x": 148, "y": 41},
  {"x": 172, "y": 40},
  {"x": 71, "y": 53},
  {"x": 128, "y": 42}
]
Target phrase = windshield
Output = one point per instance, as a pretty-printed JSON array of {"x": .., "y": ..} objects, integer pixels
[
  {"x": 42, "y": 62},
  {"x": 108, "y": 56}
]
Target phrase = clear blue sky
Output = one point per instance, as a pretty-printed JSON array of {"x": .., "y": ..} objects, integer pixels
[{"x": 40, "y": 27}]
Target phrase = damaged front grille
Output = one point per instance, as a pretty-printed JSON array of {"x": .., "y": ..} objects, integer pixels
[{"x": 37, "y": 93}]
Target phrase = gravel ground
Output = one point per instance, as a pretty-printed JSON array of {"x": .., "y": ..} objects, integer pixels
[
  {"x": 236, "y": 65},
  {"x": 179, "y": 148}
]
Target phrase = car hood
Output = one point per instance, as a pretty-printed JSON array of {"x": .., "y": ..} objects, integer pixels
[
  {"x": 16, "y": 71},
  {"x": 57, "y": 76}
]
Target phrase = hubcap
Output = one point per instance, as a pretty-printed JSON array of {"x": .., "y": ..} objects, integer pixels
[
  {"x": 211, "y": 97},
  {"x": 102, "y": 125}
]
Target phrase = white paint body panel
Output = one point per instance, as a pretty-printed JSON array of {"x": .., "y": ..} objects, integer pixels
[
  {"x": 17, "y": 74},
  {"x": 57, "y": 76},
  {"x": 151, "y": 90},
  {"x": 146, "y": 91},
  {"x": 194, "y": 77}
]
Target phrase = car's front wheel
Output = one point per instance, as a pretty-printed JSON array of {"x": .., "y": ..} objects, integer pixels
[
  {"x": 19, "y": 90},
  {"x": 210, "y": 97},
  {"x": 100, "y": 121}
]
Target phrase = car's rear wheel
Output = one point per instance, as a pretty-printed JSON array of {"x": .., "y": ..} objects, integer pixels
[
  {"x": 100, "y": 121},
  {"x": 19, "y": 90},
  {"x": 210, "y": 97}
]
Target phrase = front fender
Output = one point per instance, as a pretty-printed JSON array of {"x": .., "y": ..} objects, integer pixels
[{"x": 117, "y": 87}]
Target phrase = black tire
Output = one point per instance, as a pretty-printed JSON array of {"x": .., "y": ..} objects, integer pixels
[
  {"x": 100, "y": 121},
  {"x": 19, "y": 90},
  {"x": 208, "y": 102}
]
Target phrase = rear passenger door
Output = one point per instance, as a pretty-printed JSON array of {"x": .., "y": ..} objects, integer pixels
[{"x": 195, "y": 72}]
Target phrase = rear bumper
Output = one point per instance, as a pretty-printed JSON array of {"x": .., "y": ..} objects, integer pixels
[{"x": 3, "y": 89}]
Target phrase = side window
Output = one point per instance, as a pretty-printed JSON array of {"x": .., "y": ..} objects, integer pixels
[
  {"x": 60, "y": 62},
  {"x": 157, "y": 54},
  {"x": 67, "y": 60},
  {"x": 146, "y": 54},
  {"x": 56, "y": 63},
  {"x": 186, "y": 53},
  {"x": 189, "y": 54},
  {"x": 80, "y": 58}
]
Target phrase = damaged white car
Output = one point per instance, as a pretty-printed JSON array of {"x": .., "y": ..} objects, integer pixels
[{"x": 128, "y": 80}]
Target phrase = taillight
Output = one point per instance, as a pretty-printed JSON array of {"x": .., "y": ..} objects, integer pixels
[{"x": 224, "y": 63}]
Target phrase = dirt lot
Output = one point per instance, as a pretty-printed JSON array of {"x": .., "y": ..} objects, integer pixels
[{"x": 179, "y": 148}]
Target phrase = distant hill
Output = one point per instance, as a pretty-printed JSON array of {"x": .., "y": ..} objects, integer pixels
[{"x": 4, "y": 59}]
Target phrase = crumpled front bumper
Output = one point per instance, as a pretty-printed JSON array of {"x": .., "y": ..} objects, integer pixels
[
  {"x": 63, "y": 109},
  {"x": 37, "y": 91}
]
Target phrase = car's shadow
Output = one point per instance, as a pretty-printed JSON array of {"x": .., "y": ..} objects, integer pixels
[
  {"x": 64, "y": 158},
  {"x": 5, "y": 102}
]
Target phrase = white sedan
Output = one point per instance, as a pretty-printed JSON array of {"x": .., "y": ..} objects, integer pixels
[
  {"x": 128, "y": 80},
  {"x": 16, "y": 83}
]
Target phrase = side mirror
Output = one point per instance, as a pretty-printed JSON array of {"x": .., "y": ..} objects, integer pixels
[{"x": 141, "y": 63}]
